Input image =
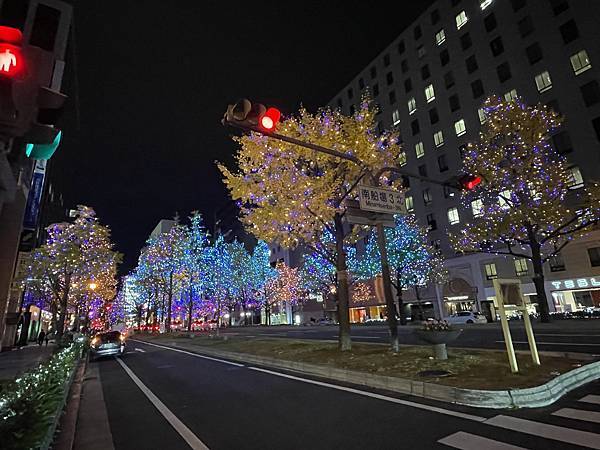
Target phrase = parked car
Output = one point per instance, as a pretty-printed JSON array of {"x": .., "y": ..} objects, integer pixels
[
  {"x": 108, "y": 343},
  {"x": 466, "y": 317}
]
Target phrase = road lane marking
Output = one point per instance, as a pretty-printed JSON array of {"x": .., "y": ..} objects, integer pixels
[
  {"x": 595, "y": 399},
  {"x": 373, "y": 395},
  {"x": 191, "y": 354},
  {"x": 568, "y": 435},
  {"x": 568, "y": 335},
  {"x": 189, "y": 437},
  {"x": 578, "y": 414},
  {"x": 468, "y": 441},
  {"x": 140, "y": 350},
  {"x": 554, "y": 343}
]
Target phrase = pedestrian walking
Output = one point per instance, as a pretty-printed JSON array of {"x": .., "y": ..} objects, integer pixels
[
  {"x": 41, "y": 337},
  {"x": 47, "y": 338}
]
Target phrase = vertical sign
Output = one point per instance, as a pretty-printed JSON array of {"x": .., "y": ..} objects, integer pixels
[{"x": 32, "y": 209}]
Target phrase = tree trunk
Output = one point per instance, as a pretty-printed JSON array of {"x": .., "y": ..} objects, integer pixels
[
  {"x": 401, "y": 310},
  {"x": 190, "y": 307},
  {"x": 538, "y": 280},
  {"x": 169, "y": 303},
  {"x": 345, "y": 343},
  {"x": 60, "y": 328},
  {"x": 421, "y": 311},
  {"x": 387, "y": 289}
]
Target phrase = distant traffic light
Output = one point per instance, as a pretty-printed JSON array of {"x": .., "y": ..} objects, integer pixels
[
  {"x": 252, "y": 115},
  {"x": 469, "y": 182}
]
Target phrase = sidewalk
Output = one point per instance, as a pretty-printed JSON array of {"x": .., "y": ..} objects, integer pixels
[{"x": 18, "y": 361}]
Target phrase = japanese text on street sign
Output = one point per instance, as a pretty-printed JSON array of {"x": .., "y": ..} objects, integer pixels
[{"x": 381, "y": 200}]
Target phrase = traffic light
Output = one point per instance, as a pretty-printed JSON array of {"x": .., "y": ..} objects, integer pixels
[
  {"x": 469, "y": 182},
  {"x": 12, "y": 65},
  {"x": 252, "y": 115}
]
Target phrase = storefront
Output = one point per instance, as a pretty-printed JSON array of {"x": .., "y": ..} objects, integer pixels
[
  {"x": 361, "y": 314},
  {"x": 575, "y": 294}
]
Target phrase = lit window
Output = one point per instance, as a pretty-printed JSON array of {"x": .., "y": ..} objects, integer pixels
[
  {"x": 396, "y": 117},
  {"x": 461, "y": 20},
  {"x": 490, "y": 271},
  {"x": 510, "y": 95},
  {"x": 438, "y": 138},
  {"x": 402, "y": 159},
  {"x": 427, "y": 198},
  {"x": 440, "y": 37},
  {"x": 484, "y": 3},
  {"x": 576, "y": 178},
  {"x": 419, "y": 150},
  {"x": 429, "y": 93},
  {"x": 408, "y": 201},
  {"x": 580, "y": 62},
  {"x": 481, "y": 114},
  {"x": 477, "y": 207},
  {"x": 453, "y": 218},
  {"x": 412, "y": 105},
  {"x": 504, "y": 199},
  {"x": 460, "y": 127},
  {"x": 521, "y": 267},
  {"x": 543, "y": 81}
]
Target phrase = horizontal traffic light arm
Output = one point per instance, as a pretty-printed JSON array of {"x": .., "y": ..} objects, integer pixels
[{"x": 447, "y": 184}]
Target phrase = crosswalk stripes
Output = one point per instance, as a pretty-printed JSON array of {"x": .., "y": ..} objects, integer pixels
[{"x": 467, "y": 441}]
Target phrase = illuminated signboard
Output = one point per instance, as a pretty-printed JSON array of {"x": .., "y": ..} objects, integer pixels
[{"x": 577, "y": 283}]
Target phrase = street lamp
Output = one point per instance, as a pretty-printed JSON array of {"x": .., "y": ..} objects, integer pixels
[{"x": 92, "y": 286}]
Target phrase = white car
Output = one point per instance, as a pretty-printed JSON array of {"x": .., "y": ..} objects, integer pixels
[{"x": 466, "y": 317}]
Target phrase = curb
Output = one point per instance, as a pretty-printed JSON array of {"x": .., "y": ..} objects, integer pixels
[
  {"x": 533, "y": 397},
  {"x": 68, "y": 423}
]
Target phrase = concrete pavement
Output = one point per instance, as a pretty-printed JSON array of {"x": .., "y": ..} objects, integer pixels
[{"x": 20, "y": 360}]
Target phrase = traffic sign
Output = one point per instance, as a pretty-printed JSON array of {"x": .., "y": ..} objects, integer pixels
[{"x": 383, "y": 200}]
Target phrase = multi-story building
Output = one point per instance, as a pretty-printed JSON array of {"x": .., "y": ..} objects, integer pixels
[{"x": 430, "y": 83}]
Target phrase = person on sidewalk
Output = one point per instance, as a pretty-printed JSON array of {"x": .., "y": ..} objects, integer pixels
[
  {"x": 41, "y": 337},
  {"x": 47, "y": 338}
]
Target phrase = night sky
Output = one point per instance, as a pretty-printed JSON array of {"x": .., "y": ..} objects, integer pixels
[{"x": 154, "y": 78}]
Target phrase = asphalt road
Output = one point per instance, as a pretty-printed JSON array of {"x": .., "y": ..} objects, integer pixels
[
  {"x": 159, "y": 398},
  {"x": 580, "y": 336}
]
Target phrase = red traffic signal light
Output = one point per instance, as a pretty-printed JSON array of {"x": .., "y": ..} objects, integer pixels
[
  {"x": 268, "y": 121},
  {"x": 470, "y": 182},
  {"x": 12, "y": 63}
]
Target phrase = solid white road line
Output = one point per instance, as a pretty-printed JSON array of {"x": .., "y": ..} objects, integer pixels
[
  {"x": 140, "y": 350},
  {"x": 373, "y": 395},
  {"x": 568, "y": 335},
  {"x": 555, "y": 343},
  {"x": 595, "y": 399},
  {"x": 189, "y": 437},
  {"x": 578, "y": 414},
  {"x": 468, "y": 441},
  {"x": 568, "y": 435},
  {"x": 190, "y": 353}
]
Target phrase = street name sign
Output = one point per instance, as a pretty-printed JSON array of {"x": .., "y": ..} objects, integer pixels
[{"x": 382, "y": 200}]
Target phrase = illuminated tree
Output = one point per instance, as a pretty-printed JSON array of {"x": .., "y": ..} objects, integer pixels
[
  {"x": 529, "y": 204},
  {"x": 285, "y": 288},
  {"x": 74, "y": 256},
  {"x": 361, "y": 293},
  {"x": 413, "y": 262},
  {"x": 291, "y": 195}
]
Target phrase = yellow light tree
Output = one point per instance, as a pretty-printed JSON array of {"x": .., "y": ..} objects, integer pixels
[{"x": 292, "y": 195}]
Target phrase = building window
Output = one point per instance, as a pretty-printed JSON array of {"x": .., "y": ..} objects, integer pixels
[
  {"x": 386, "y": 60},
  {"x": 389, "y": 77},
  {"x": 396, "y": 117},
  {"x": 448, "y": 80},
  {"x": 510, "y": 95},
  {"x": 440, "y": 37},
  {"x": 401, "y": 47},
  {"x": 433, "y": 116},
  {"x": 427, "y": 198},
  {"x": 461, "y": 20},
  {"x": 407, "y": 85},
  {"x": 559, "y": 6},
  {"x": 460, "y": 127},
  {"x": 484, "y": 4},
  {"x": 361, "y": 83},
  {"x": 340, "y": 104},
  {"x": 594, "y": 254},
  {"x": 525, "y": 26},
  {"x": 465, "y": 41},
  {"x": 590, "y": 93},
  {"x": 477, "y": 88},
  {"x": 481, "y": 114},
  {"x": 425, "y": 73},
  {"x": 412, "y": 105},
  {"x": 438, "y": 138},
  {"x": 419, "y": 149},
  {"x": 503, "y": 71},
  {"x": 454, "y": 102},
  {"x": 448, "y": 192},
  {"x": 404, "y": 66},
  {"x": 436, "y": 244},
  {"x": 490, "y": 22},
  {"x": 453, "y": 217},
  {"x": 576, "y": 178},
  {"x": 392, "y": 97},
  {"x": 402, "y": 159},
  {"x": 462, "y": 150},
  {"x": 431, "y": 222},
  {"x": 497, "y": 46},
  {"x": 543, "y": 81},
  {"x": 350, "y": 93},
  {"x": 517, "y": 4},
  {"x": 442, "y": 163},
  {"x": 376, "y": 89},
  {"x": 505, "y": 199},
  {"x": 471, "y": 63},
  {"x": 444, "y": 57},
  {"x": 414, "y": 125},
  {"x": 556, "y": 263},
  {"x": 422, "y": 170},
  {"x": 408, "y": 202},
  {"x": 569, "y": 31},
  {"x": 352, "y": 110},
  {"x": 580, "y": 62},
  {"x": 596, "y": 125},
  {"x": 417, "y": 32},
  {"x": 477, "y": 207},
  {"x": 421, "y": 52},
  {"x": 429, "y": 93},
  {"x": 373, "y": 72},
  {"x": 435, "y": 16},
  {"x": 534, "y": 53},
  {"x": 521, "y": 267},
  {"x": 490, "y": 271},
  {"x": 562, "y": 142}
]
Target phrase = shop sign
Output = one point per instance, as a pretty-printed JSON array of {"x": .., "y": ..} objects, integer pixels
[{"x": 576, "y": 283}]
